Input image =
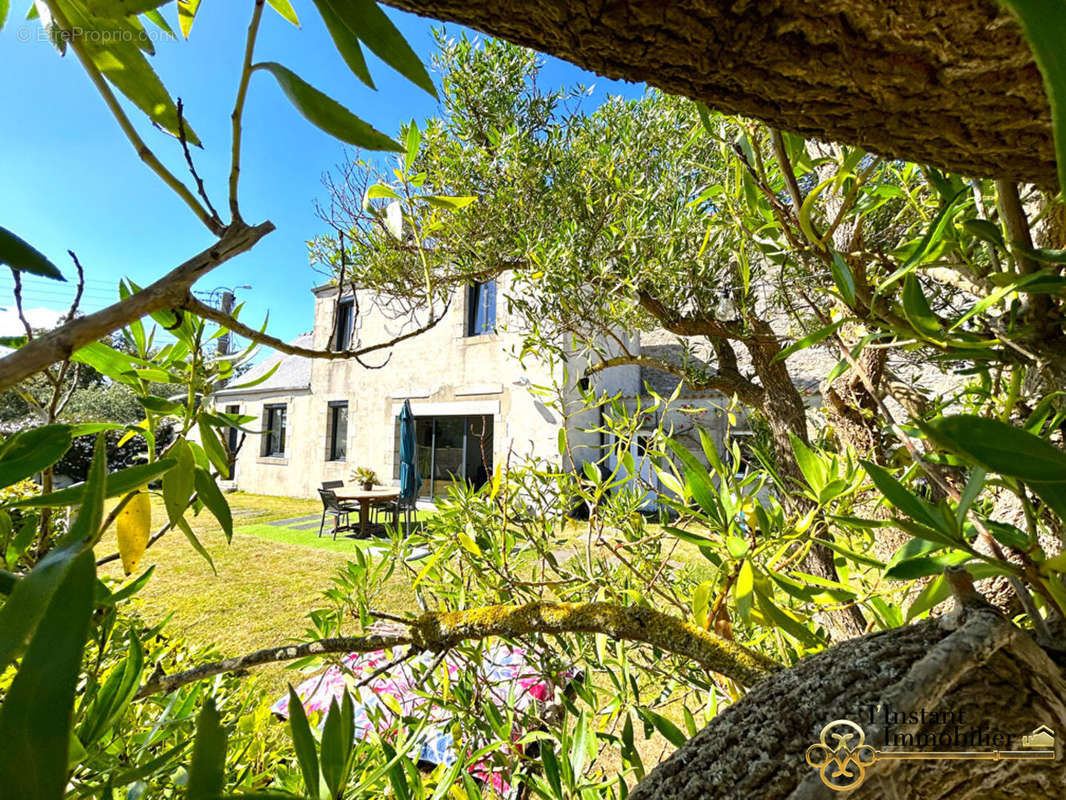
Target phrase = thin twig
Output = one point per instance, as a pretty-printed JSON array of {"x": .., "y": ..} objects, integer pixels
[{"x": 200, "y": 190}]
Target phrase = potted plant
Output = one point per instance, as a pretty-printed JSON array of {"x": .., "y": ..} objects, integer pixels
[{"x": 365, "y": 477}]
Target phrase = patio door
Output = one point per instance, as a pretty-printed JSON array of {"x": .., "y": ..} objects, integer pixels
[{"x": 450, "y": 449}]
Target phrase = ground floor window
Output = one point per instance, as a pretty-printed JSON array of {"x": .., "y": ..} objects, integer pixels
[
  {"x": 337, "y": 432},
  {"x": 274, "y": 430},
  {"x": 449, "y": 449}
]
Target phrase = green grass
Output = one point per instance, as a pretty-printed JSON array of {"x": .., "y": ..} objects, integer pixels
[
  {"x": 263, "y": 588},
  {"x": 310, "y": 538}
]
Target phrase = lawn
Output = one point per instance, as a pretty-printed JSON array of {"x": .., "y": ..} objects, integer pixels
[{"x": 268, "y": 578}]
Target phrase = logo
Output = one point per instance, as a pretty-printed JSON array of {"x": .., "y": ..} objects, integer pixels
[{"x": 842, "y": 755}]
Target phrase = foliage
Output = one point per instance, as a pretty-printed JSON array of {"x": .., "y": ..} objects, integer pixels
[
  {"x": 640, "y": 214},
  {"x": 364, "y": 475}
]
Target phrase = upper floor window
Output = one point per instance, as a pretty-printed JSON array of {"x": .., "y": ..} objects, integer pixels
[
  {"x": 274, "y": 430},
  {"x": 481, "y": 308},
  {"x": 342, "y": 336},
  {"x": 337, "y": 435}
]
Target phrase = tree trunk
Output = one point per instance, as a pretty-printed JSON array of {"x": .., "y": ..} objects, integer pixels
[
  {"x": 949, "y": 83},
  {"x": 786, "y": 415},
  {"x": 990, "y": 674}
]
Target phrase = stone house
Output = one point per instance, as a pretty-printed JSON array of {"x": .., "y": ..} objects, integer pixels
[{"x": 475, "y": 403}]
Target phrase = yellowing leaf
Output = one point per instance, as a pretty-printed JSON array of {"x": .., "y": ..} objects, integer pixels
[{"x": 133, "y": 527}]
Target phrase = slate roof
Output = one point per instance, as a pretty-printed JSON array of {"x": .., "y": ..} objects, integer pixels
[{"x": 294, "y": 372}]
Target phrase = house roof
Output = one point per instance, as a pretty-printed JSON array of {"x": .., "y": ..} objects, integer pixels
[
  {"x": 293, "y": 373},
  {"x": 807, "y": 367}
]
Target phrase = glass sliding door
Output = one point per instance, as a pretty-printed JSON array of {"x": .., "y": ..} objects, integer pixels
[{"x": 450, "y": 449}]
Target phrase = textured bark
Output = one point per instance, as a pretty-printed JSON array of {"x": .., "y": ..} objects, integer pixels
[
  {"x": 949, "y": 83},
  {"x": 977, "y": 664}
]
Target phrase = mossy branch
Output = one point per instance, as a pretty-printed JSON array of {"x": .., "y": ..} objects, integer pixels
[{"x": 440, "y": 631}]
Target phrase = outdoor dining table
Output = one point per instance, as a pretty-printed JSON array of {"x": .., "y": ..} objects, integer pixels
[{"x": 366, "y": 498}]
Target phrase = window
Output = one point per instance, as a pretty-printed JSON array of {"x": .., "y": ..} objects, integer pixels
[
  {"x": 343, "y": 331},
  {"x": 337, "y": 432},
  {"x": 274, "y": 431},
  {"x": 481, "y": 308}
]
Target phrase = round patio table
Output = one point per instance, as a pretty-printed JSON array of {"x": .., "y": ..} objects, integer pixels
[{"x": 366, "y": 498}]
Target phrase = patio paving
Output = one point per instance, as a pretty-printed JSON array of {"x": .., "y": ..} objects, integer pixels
[{"x": 292, "y": 522}]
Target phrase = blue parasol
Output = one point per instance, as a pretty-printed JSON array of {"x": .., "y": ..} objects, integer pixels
[{"x": 410, "y": 480}]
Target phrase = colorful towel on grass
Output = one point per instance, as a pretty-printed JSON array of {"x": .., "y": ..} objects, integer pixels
[{"x": 504, "y": 672}]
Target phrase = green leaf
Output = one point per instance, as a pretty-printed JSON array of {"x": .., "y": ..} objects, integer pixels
[
  {"x": 304, "y": 744},
  {"x": 936, "y": 591},
  {"x": 4, "y": 8},
  {"x": 843, "y": 278},
  {"x": 449, "y": 203},
  {"x": 19, "y": 255},
  {"x": 999, "y": 447},
  {"x": 346, "y": 42},
  {"x": 851, "y": 555},
  {"x": 1044, "y": 25},
  {"x": 29, "y": 598},
  {"x": 30, "y": 451},
  {"x": 365, "y": 19},
  {"x": 551, "y": 767},
  {"x": 256, "y": 381},
  {"x": 129, "y": 589},
  {"x": 183, "y": 524},
  {"x": 901, "y": 498},
  {"x": 664, "y": 726},
  {"x": 207, "y": 490},
  {"x": 926, "y": 565},
  {"x": 743, "y": 589},
  {"x": 808, "y": 340},
  {"x": 698, "y": 480},
  {"x": 933, "y": 233},
  {"x": 122, "y": 8},
  {"x": 115, "y": 484},
  {"x": 334, "y": 750},
  {"x": 207, "y": 769},
  {"x": 116, "y": 693},
  {"x": 178, "y": 482},
  {"x": 36, "y": 715},
  {"x": 916, "y": 308},
  {"x": 121, "y": 61},
  {"x": 785, "y": 621},
  {"x": 212, "y": 445},
  {"x": 809, "y": 463},
  {"x": 380, "y": 191},
  {"x": 414, "y": 140},
  {"x": 285, "y": 9},
  {"x": 984, "y": 230},
  {"x": 187, "y": 14},
  {"x": 326, "y": 113}
]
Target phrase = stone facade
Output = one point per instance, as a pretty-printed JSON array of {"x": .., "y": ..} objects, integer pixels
[{"x": 444, "y": 372}]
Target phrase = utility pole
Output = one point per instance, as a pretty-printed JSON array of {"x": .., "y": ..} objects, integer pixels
[{"x": 228, "y": 299}]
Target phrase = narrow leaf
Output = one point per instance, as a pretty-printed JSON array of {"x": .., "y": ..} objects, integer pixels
[
  {"x": 37, "y": 712},
  {"x": 19, "y": 255},
  {"x": 326, "y": 113},
  {"x": 206, "y": 771}
]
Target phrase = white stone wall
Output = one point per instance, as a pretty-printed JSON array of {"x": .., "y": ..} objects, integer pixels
[{"x": 441, "y": 371}]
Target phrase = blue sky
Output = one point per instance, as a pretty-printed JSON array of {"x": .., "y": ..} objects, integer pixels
[{"x": 70, "y": 179}]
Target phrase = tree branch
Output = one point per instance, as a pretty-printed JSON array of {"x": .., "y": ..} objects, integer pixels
[
  {"x": 439, "y": 631},
  {"x": 238, "y": 111},
  {"x": 748, "y": 392},
  {"x": 146, "y": 154},
  {"x": 201, "y": 309},
  {"x": 167, "y": 292}
]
